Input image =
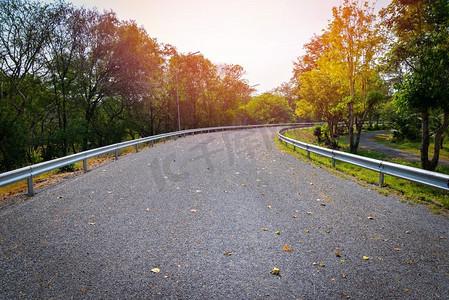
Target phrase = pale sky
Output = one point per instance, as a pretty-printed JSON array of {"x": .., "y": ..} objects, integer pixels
[{"x": 263, "y": 36}]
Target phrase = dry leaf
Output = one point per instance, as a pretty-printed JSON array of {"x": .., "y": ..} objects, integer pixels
[
  {"x": 410, "y": 262},
  {"x": 287, "y": 249},
  {"x": 156, "y": 270},
  {"x": 397, "y": 249},
  {"x": 323, "y": 204},
  {"x": 91, "y": 223},
  {"x": 269, "y": 206},
  {"x": 228, "y": 253},
  {"x": 322, "y": 265},
  {"x": 309, "y": 213},
  {"x": 85, "y": 289},
  {"x": 277, "y": 232},
  {"x": 244, "y": 185},
  {"x": 345, "y": 296},
  {"x": 193, "y": 210},
  {"x": 365, "y": 257},
  {"x": 314, "y": 264},
  {"x": 343, "y": 275},
  {"x": 294, "y": 216},
  {"x": 337, "y": 254},
  {"x": 275, "y": 271},
  {"x": 264, "y": 229},
  {"x": 306, "y": 230}
]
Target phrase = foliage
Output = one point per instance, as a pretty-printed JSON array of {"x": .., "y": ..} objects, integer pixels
[
  {"x": 419, "y": 59},
  {"x": 336, "y": 78},
  {"x": 269, "y": 109},
  {"x": 75, "y": 78}
]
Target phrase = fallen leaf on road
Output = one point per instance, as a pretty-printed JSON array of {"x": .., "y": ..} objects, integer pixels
[
  {"x": 322, "y": 265},
  {"x": 156, "y": 270},
  {"x": 337, "y": 254},
  {"x": 309, "y": 213},
  {"x": 343, "y": 275},
  {"x": 323, "y": 204},
  {"x": 276, "y": 271},
  {"x": 397, "y": 249},
  {"x": 344, "y": 295},
  {"x": 244, "y": 185},
  {"x": 277, "y": 232},
  {"x": 85, "y": 289},
  {"x": 193, "y": 210},
  {"x": 294, "y": 216},
  {"x": 91, "y": 223},
  {"x": 269, "y": 206},
  {"x": 410, "y": 262},
  {"x": 228, "y": 253},
  {"x": 264, "y": 229},
  {"x": 371, "y": 218},
  {"x": 287, "y": 249},
  {"x": 365, "y": 257},
  {"x": 147, "y": 209},
  {"x": 306, "y": 230}
]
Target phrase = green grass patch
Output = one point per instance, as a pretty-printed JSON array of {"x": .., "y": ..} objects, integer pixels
[{"x": 437, "y": 200}]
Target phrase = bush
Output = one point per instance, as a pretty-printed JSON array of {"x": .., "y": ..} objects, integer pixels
[{"x": 69, "y": 168}]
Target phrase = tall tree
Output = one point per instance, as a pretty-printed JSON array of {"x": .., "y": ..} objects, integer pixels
[
  {"x": 353, "y": 42},
  {"x": 419, "y": 57}
]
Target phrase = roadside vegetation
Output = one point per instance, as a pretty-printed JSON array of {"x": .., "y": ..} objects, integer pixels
[{"x": 437, "y": 200}]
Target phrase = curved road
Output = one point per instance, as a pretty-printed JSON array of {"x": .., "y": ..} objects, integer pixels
[{"x": 195, "y": 208}]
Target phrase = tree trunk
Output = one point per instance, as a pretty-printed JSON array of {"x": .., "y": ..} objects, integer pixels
[
  {"x": 352, "y": 147},
  {"x": 425, "y": 132},
  {"x": 438, "y": 140}
]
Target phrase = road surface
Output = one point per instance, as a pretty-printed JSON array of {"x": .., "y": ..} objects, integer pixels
[{"x": 196, "y": 218}]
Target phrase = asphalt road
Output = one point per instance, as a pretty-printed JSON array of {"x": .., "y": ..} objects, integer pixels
[{"x": 195, "y": 208}]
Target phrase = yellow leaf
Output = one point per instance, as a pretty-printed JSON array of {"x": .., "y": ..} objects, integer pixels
[
  {"x": 228, "y": 253},
  {"x": 275, "y": 271},
  {"x": 264, "y": 229},
  {"x": 156, "y": 270},
  {"x": 244, "y": 185},
  {"x": 365, "y": 257},
  {"x": 277, "y": 232},
  {"x": 310, "y": 213},
  {"x": 306, "y": 230},
  {"x": 91, "y": 223},
  {"x": 294, "y": 216},
  {"x": 193, "y": 210},
  {"x": 269, "y": 206},
  {"x": 337, "y": 254},
  {"x": 287, "y": 249}
]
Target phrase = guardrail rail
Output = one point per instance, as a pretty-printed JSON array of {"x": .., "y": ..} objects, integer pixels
[
  {"x": 29, "y": 172},
  {"x": 429, "y": 178}
]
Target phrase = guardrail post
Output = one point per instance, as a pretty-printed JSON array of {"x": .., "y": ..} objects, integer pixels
[
  {"x": 294, "y": 148},
  {"x": 308, "y": 154},
  {"x": 85, "y": 165},
  {"x": 381, "y": 178},
  {"x": 152, "y": 143},
  {"x": 333, "y": 162},
  {"x": 116, "y": 154},
  {"x": 30, "y": 186},
  {"x": 137, "y": 148}
]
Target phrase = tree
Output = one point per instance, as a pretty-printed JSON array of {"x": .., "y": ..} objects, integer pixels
[
  {"x": 419, "y": 57},
  {"x": 269, "y": 109},
  {"x": 353, "y": 42}
]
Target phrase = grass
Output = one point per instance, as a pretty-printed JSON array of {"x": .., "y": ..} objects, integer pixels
[{"x": 437, "y": 200}]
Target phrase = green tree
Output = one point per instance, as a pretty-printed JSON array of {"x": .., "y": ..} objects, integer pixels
[
  {"x": 269, "y": 109},
  {"x": 419, "y": 57}
]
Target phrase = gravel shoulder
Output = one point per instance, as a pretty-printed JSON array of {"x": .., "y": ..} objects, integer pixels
[{"x": 194, "y": 208}]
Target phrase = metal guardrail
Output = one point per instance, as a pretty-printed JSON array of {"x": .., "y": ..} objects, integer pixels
[
  {"x": 28, "y": 173},
  {"x": 433, "y": 179}
]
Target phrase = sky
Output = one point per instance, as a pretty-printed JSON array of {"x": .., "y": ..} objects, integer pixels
[{"x": 263, "y": 36}]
